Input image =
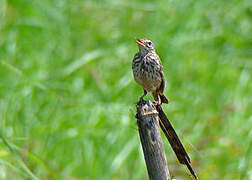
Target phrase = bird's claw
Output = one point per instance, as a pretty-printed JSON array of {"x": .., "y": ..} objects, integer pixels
[{"x": 156, "y": 103}]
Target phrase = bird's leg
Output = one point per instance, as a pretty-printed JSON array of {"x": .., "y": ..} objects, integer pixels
[
  {"x": 159, "y": 102},
  {"x": 141, "y": 98},
  {"x": 157, "y": 99}
]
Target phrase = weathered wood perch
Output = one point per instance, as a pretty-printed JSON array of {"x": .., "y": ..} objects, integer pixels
[
  {"x": 149, "y": 119},
  {"x": 149, "y": 131}
]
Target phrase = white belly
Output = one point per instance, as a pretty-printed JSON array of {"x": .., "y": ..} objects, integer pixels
[{"x": 150, "y": 80}]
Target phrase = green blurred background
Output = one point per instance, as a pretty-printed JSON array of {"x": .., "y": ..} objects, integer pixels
[{"x": 67, "y": 94}]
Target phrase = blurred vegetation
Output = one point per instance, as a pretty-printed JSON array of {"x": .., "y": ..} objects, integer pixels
[{"x": 67, "y": 94}]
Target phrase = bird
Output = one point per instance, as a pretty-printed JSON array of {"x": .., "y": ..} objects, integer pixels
[{"x": 148, "y": 71}]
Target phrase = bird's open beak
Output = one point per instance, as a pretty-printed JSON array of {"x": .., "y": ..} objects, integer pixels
[{"x": 139, "y": 42}]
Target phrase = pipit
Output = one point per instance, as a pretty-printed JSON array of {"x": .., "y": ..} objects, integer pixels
[{"x": 148, "y": 71}]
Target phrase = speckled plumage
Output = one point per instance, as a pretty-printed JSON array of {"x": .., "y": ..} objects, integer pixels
[{"x": 148, "y": 70}]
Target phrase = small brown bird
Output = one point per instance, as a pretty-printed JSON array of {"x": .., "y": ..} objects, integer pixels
[{"x": 148, "y": 71}]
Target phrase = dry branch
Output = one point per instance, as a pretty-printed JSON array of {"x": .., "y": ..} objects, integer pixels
[
  {"x": 149, "y": 131},
  {"x": 174, "y": 141},
  {"x": 149, "y": 119}
]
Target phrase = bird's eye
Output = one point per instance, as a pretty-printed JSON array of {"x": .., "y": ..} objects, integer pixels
[{"x": 149, "y": 43}]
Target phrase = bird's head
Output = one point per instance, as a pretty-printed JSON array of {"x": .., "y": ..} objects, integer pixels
[{"x": 145, "y": 45}]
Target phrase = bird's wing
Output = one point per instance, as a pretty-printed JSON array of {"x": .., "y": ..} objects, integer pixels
[{"x": 162, "y": 86}]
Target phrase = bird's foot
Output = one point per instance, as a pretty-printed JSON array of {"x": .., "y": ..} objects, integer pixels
[{"x": 157, "y": 103}]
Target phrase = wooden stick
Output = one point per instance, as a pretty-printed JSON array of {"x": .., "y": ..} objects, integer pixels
[
  {"x": 149, "y": 132},
  {"x": 174, "y": 141}
]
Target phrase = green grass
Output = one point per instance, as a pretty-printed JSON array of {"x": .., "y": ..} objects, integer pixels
[{"x": 67, "y": 94}]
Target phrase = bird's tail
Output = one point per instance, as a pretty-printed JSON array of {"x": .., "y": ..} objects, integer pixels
[{"x": 163, "y": 99}]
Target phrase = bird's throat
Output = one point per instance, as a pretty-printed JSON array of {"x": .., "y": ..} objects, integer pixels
[{"x": 143, "y": 52}]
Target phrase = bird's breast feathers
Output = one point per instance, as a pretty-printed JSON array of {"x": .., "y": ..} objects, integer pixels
[{"x": 146, "y": 71}]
